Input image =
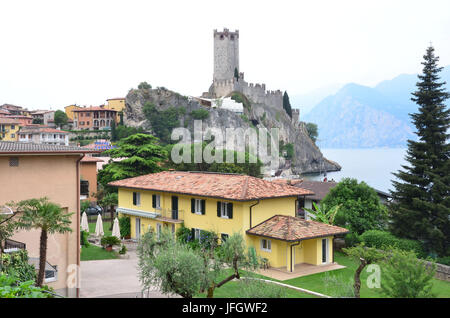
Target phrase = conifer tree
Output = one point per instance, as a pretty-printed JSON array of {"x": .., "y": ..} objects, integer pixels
[
  {"x": 421, "y": 202},
  {"x": 287, "y": 104}
]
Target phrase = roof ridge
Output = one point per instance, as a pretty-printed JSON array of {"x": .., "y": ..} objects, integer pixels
[{"x": 245, "y": 188}]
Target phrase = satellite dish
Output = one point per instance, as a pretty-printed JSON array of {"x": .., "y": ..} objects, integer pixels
[{"x": 5, "y": 210}]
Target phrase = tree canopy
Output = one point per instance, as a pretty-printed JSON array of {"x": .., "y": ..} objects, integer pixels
[
  {"x": 60, "y": 118},
  {"x": 360, "y": 207},
  {"x": 139, "y": 154},
  {"x": 421, "y": 204}
]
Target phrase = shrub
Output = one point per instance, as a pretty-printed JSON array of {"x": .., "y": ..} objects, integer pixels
[
  {"x": 123, "y": 250},
  {"x": 16, "y": 264},
  {"x": 337, "y": 286},
  {"x": 84, "y": 238},
  {"x": 405, "y": 276},
  {"x": 251, "y": 288},
  {"x": 443, "y": 260},
  {"x": 200, "y": 114},
  {"x": 183, "y": 234},
  {"x": 125, "y": 226},
  {"x": 12, "y": 287},
  {"x": 109, "y": 241},
  {"x": 352, "y": 239},
  {"x": 382, "y": 239}
]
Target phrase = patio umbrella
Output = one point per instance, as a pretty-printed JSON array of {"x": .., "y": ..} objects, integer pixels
[
  {"x": 84, "y": 222},
  {"x": 99, "y": 226},
  {"x": 116, "y": 229}
]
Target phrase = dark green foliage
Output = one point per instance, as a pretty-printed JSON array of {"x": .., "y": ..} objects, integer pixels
[
  {"x": 12, "y": 287},
  {"x": 125, "y": 226},
  {"x": 241, "y": 98},
  {"x": 84, "y": 238},
  {"x": 109, "y": 241},
  {"x": 313, "y": 131},
  {"x": 289, "y": 148},
  {"x": 122, "y": 131},
  {"x": 16, "y": 264},
  {"x": 352, "y": 239},
  {"x": 248, "y": 168},
  {"x": 143, "y": 155},
  {"x": 183, "y": 234},
  {"x": 236, "y": 74},
  {"x": 144, "y": 85},
  {"x": 405, "y": 276},
  {"x": 361, "y": 209},
  {"x": 60, "y": 118},
  {"x": 443, "y": 260},
  {"x": 163, "y": 121},
  {"x": 287, "y": 104},
  {"x": 421, "y": 201},
  {"x": 38, "y": 121},
  {"x": 383, "y": 239},
  {"x": 200, "y": 114}
]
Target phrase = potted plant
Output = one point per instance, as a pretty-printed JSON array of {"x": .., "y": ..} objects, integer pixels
[{"x": 108, "y": 242}]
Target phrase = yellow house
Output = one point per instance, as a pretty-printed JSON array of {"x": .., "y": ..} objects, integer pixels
[
  {"x": 117, "y": 104},
  {"x": 9, "y": 127},
  {"x": 264, "y": 212},
  {"x": 69, "y": 110}
]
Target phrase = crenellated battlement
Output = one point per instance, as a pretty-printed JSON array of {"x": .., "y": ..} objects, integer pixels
[{"x": 226, "y": 63}]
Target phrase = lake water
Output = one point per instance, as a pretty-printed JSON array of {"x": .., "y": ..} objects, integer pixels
[{"x": 374, "y": 166}]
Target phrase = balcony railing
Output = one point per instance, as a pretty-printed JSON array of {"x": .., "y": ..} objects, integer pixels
[{"x": 171, "y": 214}]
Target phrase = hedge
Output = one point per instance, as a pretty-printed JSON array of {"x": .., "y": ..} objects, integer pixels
[{"x": 381, "y": 239}]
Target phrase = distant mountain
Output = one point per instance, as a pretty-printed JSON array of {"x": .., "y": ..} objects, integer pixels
[
  {"x": 306, "y": 102},
  {"x": 367, "y": 117}
]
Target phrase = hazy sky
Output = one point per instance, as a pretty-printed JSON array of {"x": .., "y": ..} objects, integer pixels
[{"x": 55, "y": 53}]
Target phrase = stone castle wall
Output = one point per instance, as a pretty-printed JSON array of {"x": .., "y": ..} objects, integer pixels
[{"x": 255, "y": 92}]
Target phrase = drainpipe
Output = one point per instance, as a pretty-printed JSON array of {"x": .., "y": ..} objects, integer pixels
[
  {"x": 78, "y": 223},
  {"x": 251, "y": 206},
  {"x": 298, "y": 243}
]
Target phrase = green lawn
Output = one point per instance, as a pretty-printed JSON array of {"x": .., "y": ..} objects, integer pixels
[
  {"x": 231, "y": 289},
  {"x": 93, "y": 253},
  {"x": 315, "y": 282},
  {"x": 106, "y": 229}
]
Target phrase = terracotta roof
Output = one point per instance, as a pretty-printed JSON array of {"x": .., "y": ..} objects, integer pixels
[
  {"x": 8, "y": 121},
  {"x": 91, "y": 159},
  {"x": 12, "y": 147},
  {"x": 319, "y": 188},
  {"x": 117, "y": 98},
  {"x": 293, "y": 229},
  {"x": 93, "y": 108},
  {"x": 220, "y": 185}
]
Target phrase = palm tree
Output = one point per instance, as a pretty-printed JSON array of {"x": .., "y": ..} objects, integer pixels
[
  {"x": 320, "y": 214},
  {"x": 49, "y": 218}
]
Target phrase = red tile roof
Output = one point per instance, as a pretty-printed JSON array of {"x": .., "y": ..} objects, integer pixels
[
  {"x": 8, "y": 121},
  {"x": 91, "y": 159},
  {"x": 220, "y": 185},
  {"x": 293, "y": 229}
]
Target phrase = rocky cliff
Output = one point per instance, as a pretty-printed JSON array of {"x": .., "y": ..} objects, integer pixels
[{"x": 307, "y": 157}]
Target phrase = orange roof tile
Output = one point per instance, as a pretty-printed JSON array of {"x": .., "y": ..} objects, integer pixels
[
  {"x": 91, "y": 159},
  {"x": 293, "y": 229},
  {"x": 220, "y": 185}
]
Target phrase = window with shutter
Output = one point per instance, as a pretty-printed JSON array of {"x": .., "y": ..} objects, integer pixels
[{"x": 136, "y": 198}]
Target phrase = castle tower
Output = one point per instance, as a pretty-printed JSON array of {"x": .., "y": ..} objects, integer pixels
[{"x": 226, "y": 54}]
